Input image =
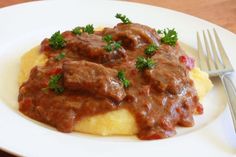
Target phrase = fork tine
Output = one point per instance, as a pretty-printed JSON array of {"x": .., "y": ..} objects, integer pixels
[
  {"x": 201, "y": 56},
  {"x": 209, "y": 56},
  {"x": 216, "y": 57},
  {"x": 224, "y": 57}
]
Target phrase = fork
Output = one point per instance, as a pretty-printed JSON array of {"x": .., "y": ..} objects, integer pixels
[{"x": 218, "y": 65}]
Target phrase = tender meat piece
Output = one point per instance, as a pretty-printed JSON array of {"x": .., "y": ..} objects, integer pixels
[
  {"x": 175, "y": 50},
  {"x": 62, "y": 119},
  {"x": 133, "y": 35},
  {"x": 92, "y": 77},
  {"x": 168, "y": 74},
  {"x": 92, "y": 47}
]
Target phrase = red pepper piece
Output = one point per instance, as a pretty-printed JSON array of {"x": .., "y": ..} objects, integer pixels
[{"x": 188, "y": 61}]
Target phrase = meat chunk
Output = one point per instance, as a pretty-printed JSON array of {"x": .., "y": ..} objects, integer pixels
[
  {"x": 168, "y": 74},
  {"x": 175, "y": 50},
  {"x": 94, "y": 78},
  {"x": 92, "y": 47},
  {"x": 133, "y": 35}
]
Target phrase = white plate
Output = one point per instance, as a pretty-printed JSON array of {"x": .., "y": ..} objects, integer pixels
[{"x": 24, "y": 26}]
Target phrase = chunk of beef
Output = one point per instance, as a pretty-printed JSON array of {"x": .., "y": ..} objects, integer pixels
[
  {"x": 94, "y": 78},
  {"x": 175, "y": 50},
  {"x": 92, "y": 47},
  {"x": 168, "y": 74},
  {"x": 133, "y": 35}
]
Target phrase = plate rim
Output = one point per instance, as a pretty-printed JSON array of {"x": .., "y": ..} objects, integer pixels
[{"x": 36, "y": 3}]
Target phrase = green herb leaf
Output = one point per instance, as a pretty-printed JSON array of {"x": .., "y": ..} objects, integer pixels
[
  {"x": 107, "y": 38},
  {"x": 159, "y": 31},
  {"x": 151, "y": 49},
  {"x": 53, "y": 84},
  {"x": 123, "y": 18},
  {"x": 60, "y": 56},
  {"x": 116, "y": 45},
  {"x": 144, "y": 63},
  {"x": 111, "y": 45},
  {"x": 77, "y": 30},
  {"x": 89, "y": 29},
  {"x": 57, "y": 41},
  {"x": 170, "y": 37},
  {"x": 121, "y": 76},
  {"x": 108, "y": 48}
]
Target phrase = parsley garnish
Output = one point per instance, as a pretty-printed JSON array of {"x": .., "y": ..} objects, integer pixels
[
  {"x": 88, "y": 28},
  {"x": 60, "y": 56},
  {"x": 170, "y": 36},
  {"x": 116, "y": 45},
  {"x": 159, "y": 31},
  {"x": 111, "y": 45},
  {"x": 121, "y": 76},
  {"x": 123, "y": 18},
  {"x": 107, "y": 38},
  {"x": 151, "y": 49},
  {"x": 77, "y": 30},
  {"x": 53, "y": 84},
  {"x": 144, "y": 63},
  {"x": 57, "y": 41},
  {"x": 108, "y": 47}
]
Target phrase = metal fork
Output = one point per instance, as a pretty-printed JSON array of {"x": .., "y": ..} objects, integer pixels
[{"x": 218, "y": 65}]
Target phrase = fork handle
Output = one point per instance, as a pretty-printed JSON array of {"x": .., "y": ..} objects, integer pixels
[{"x": 231, "y": 93}]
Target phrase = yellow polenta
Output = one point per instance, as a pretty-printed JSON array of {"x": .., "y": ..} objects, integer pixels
[
  {"x": 28, "y": 61},
  {"x": 119, "y": 122}
]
